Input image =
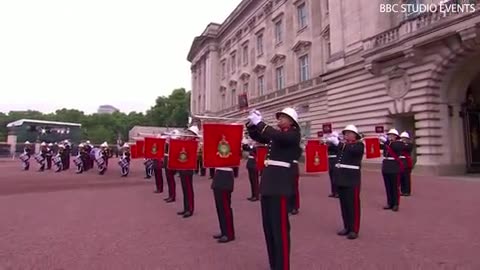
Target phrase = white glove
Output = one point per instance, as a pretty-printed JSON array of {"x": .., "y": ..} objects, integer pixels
[
  {"x": 255, "y": 117},
  {"x": 334, "y": 140},
  {"x": 383, "y": 138}
]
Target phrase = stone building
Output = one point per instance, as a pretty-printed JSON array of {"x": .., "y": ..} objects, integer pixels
[{"x": 345, "y": 62}]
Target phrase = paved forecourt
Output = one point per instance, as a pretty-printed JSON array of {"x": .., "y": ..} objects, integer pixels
[{"x": 68, "y": 221}]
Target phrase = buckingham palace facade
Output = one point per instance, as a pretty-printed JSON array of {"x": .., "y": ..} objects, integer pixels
[{"x": 346, "y": 62}]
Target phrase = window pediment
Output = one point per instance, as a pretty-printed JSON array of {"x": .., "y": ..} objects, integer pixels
[
  {"x": 259, "y": 68},
  {"x": 232, "y": 82},
  {"x": 301, "y": 46},
  {"x": 278, "y": 17},
  {"x": 244, "y": 76},
  {"x": 277, "y": 58}
]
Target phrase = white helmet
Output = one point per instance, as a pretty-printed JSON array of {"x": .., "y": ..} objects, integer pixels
[
  {"x": 353, "y": 129},
  {"x": 104, "y": 144},
  {"x": 405, "y": 135},
  {"x": 61, "y": 146},
  {"x": 393, "y": 131},
  {"x": 126, "y": 145},
  {"x": 87, "y": 142},
  {"x": 195, "y": 130},
  {"x": 50, "y": 144},
  {"x": 290, "y": 112},
  {"x": 27, "y": 142},
  {"x": 81, "y": 145},
  {"x": 43, "y": 144}
]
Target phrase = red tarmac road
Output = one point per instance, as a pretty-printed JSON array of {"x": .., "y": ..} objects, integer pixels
[{"x": 66, "y": 221}]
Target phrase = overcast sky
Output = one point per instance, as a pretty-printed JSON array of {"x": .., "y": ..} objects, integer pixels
[{"x": 82, "y": 54}]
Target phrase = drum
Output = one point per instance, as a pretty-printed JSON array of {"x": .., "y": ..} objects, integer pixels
[
  {"x": 148, "y": 163},
  {"x": 123, "y": 163},
  {"x": 23, "y": 157},
  {"x": 78, "y": 161},
  {"x": 39, "y": 158},
  {"x": 57, "y": 159}
]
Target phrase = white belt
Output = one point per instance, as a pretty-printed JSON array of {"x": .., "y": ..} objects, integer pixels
[
  {"x": 277, "y": 163},
  {"x": 165, "y": 155},
  {"x": 389, "y": 158},
  {"x": 224, "y": 169},
  {"x": 251, "y": 157},
  {"x": 332, "y": 156},
  {"x": 345, "y": 166},
  {"x": 402, "y": 157},
  {"x": 295, "y": 161}
]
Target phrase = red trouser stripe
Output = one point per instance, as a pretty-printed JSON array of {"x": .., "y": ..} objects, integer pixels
[
  {"x": 356, "y": 209},
  {"x": 171, "y": 184},
  {"x": 284, "y": 231},
  {"x": 228, "y": 214}
]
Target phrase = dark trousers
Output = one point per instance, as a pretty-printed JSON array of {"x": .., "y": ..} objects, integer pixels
[
  {"x": 187, "y": 188},
  {"x": 235, "y": 172},
  {"x": 125, "y": 170},
  {"x": 276, "y": 228},
  {"x": 253, "y": 178},
  {"x": 333, "y": 188},
  {"x": 67, "y": 162},
  {"x": 170, "y": 174},
  {"x": 49, "y": 162},
  {"x": 148, "y": 171},
  {"x": 211, "y": 172},
  {"x": 350, "y": 207},
  {"x": 294, "y": 202},
  {"x": 158, "y": 177},
  {"x": 223, "y": 203},
  {"x": 392, "y": 187},
  {"x": 200, "y": 169},
  {"x": 406, "y": 182}
]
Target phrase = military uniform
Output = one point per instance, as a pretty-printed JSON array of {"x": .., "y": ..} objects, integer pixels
[
  {"x": 406, "y": 178},
  {"x": 200, "y": 169},
  {"x": 68, "y": 149},
  {"x": 276, "y": 187},
  {"x": 170, "y": 175},
  {"x": 43, "y": 154},
  {"x": 127, "y": 156},
  {"x": 28, "y": 152},
  {"x": 347, "y": 180},
  {"x": 186, "y": 177},
  {"x": 332, "y": 160},
  {"x": 211, "y": 173},
  {"x": 148, "y": 168},
  {"x": 157, "y": 172},
  {"x": 252, "y": 171},
  {"x": 294, "y": 205},
  {"x": 222, "y": 186},
  {"x": 49, "y": 156},
  {"x": 392, "y": 168}
]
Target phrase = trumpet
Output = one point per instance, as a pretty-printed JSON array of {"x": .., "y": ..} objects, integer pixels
[{"x": 216, "y": 119}]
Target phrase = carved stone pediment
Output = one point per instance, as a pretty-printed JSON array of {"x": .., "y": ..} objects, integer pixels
[
  {"x": 232, "y": 83},
  {"x": 259, "y": 68},
  {"x": 277, "y": 58},
  {"x": 398, "y": 83},
  {"x": 326, "y": 32},
  {"x": 251, "y": 22},
  {"x": 301, "y": 46},
  {"x": 244, "y": 76},
  {"x": 238, "y": 35},
  {"x": 223, "y": 89},
  {"x": 373, "y": 68},
  {"x": 268, "y": 7}
]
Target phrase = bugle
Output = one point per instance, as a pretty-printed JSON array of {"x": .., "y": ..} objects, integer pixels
[{"x": 218, "y": 118}]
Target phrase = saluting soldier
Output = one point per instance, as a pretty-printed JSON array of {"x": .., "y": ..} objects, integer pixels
[
  {"x": 406, "y": 157},
  {"x": 170, "y": 174},
  {"x": 348, "y": 178},
  {"x": 222, "y": 186},
  {"x": 276, "y": 181},
  {"x": 392, "y": 167},
  {"x": 332, "y": 160},
  {"x": 251, "y": 169},
  {"x": 294, "y": 205},
  {"x": 186, "y": 177}
]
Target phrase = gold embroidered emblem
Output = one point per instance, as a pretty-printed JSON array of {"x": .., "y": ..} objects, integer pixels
[
  {"x": 316, "y": 159},
  {"x": 154, "y": 149},
  {"x": 183, "y": 157},
  {"x": 223, "y": 149}
]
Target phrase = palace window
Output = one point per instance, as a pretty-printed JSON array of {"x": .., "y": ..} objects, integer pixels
[
  {"x": 261, "y": 85},
  {"x": 302, "y": 16},
  {"x": 234, "y": 97},
  {"x": 259, "y": 44},
  {"x": 278, "y": 32},
  {"x": 280, "y": 77},
  {"x": 233, "y": 63},
  {"x": 245, "y": 55},
  {"x": 303, "y": 65}
]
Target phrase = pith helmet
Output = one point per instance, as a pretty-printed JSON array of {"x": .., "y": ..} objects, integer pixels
[
  {"x": 104, "y": 144},
  {"x": 393, "y": 132},
  {"x": 126, "y": 145},
  {"x": 405, "y": 135},
  {"x": 195, "y": 130},
  {"x": 353, "y": 129},
  {"x": 290, "y": 112}
]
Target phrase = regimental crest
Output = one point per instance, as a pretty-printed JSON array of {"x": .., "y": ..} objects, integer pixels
[
  {"x": 154, "y": 149},
  {"x": 223, "y": 149},
  {"x": 183, "y": 157},
  {"x": 316, "y": 159},
  {"x": 372, "y": 149}
]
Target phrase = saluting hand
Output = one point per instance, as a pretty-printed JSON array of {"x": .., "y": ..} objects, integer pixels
[
  {"x": 255, "y": 117},
  {"x": 383, "y": 138}
]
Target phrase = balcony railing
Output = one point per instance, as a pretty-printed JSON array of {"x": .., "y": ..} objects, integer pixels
[
  {"x": 409, "y": 26},
  {"x": 279, "y": 93}
]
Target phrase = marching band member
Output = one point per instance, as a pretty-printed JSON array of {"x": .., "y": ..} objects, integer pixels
[
  {"x": 126, "y": 156},
  {"x": 392, "y": 167},
  {"x": 276, "y": 180},
  {"x": 222, "y": 186},
  {"x": 81, "y": 158},
  {"x": 348, "y": 178},
  {"x": 49, "y": 155},
  {"x": 25, "y": 157},
  {"x": 251, "y": 165},
  {"x": 211, "y": 173},
  {"x": 63, "y": 156},
  {"x": 186, "y": 177},
  {"x": 148, "y": 168},
  {"x": 406, "y": 157},
  {"x": 43, "y": 156},
  {"x": 170, "y": 174},
  {"x": 103, "y": 155},
  {"x": 200, "y": 169},
  {"x": 68, "y": 149},
  {"x": 90, "y": 161},
  {"x": 294, "y": 204},
  {"x": 332, "y": 160},
  {"x": 158, "y": 173}
]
